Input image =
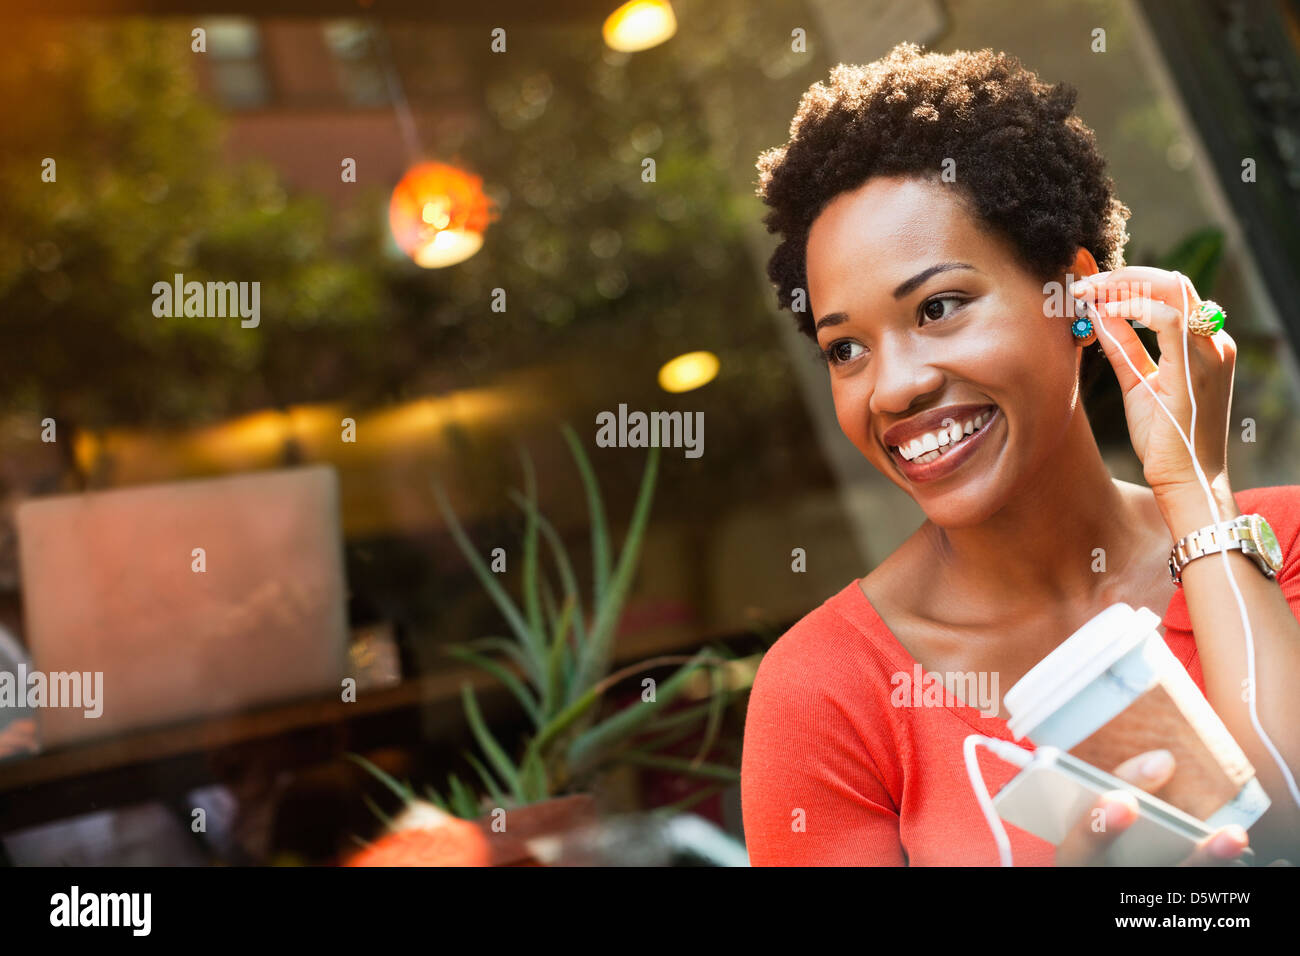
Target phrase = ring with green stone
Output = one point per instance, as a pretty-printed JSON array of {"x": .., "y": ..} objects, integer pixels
[{"x": 1207, "y": 319}]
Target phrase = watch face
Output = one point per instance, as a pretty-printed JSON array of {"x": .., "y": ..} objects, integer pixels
[{"x": 1266, "y": 540}]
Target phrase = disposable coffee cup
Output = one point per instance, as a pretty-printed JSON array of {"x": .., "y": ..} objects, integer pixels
[{"x": 1113, "y": 690}]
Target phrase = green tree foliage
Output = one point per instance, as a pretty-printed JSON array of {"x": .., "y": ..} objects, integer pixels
[{"x": 143, "y": 193}]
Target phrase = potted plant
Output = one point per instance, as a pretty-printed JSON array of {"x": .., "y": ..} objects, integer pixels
[{"x": 556, "y": 663}]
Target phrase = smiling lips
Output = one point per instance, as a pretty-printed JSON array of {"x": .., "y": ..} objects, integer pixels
[
  {"x": 944, "y": 425},
  {"x": 931, "y": 445}
]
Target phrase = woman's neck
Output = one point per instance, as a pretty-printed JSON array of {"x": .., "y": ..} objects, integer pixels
[{"x": 1061, "y": 528}]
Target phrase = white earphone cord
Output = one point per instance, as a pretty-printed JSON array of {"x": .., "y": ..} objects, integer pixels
[{"x": 1000, "y": 747}]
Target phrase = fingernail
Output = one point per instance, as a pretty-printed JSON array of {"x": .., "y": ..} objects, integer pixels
[
  {"x": 1229, "y": 843},
  {"x": 1157, "y": 764}
]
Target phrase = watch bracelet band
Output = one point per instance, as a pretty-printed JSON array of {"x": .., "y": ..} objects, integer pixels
[{"x": 1228, "y": 535}]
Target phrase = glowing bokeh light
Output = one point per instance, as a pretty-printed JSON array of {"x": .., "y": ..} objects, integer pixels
[
  {"x": 689, "y": 371},
  {"x": 639, "y": 25}
]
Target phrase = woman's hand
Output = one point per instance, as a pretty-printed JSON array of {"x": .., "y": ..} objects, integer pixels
[
  {"x": 1155, "y": 298},
  {"x": 1083, "y": 846}
]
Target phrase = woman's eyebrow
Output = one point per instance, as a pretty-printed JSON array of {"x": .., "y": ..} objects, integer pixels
[
  {"x": 831, "y": 318},
  {"x": 911, "y": 284}
]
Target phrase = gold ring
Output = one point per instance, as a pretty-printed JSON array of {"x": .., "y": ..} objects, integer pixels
[{"x": 1207, "y": 319}]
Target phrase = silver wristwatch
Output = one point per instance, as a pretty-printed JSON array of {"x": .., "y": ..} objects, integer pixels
[{"x": 1250, "y": 533}]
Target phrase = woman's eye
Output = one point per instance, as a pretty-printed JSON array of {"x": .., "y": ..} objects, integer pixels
[
  {"x": 939, "y": 308},
  {"x": 842, "y": 351}
]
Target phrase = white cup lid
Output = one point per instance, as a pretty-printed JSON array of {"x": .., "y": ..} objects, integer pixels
[{"x": 1077, "y": 662}]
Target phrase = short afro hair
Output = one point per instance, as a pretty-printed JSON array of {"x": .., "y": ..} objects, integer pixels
[{"x": 1026, "y": 165}]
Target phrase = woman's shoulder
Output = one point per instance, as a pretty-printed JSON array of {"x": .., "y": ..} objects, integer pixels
[
  {"x": 837, "y": 642},
  {"x": 824, "y": 681}
]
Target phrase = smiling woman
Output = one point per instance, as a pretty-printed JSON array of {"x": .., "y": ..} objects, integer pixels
[
  {"x": 973, "y": 305},
  {"x": 932, "y": 209}
]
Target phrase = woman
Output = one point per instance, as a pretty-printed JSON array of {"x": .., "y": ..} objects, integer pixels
[{"x": 935, "y": 212}]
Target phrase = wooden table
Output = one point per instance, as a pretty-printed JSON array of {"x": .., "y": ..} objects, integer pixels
[{"x": 163, "y": 764}]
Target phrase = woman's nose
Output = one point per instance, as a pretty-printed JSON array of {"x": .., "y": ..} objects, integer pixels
[{"x": 904, "y": 370}]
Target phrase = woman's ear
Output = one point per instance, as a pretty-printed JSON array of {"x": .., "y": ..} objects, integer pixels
[{"x": 1084, "y": 265}]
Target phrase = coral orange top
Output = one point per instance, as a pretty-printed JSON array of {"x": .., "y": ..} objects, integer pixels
[{"x": 885, "y": 785}]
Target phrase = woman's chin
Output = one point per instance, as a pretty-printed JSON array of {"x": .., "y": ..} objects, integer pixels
[
  {"x": 965, "y": 505},
  {"x": 952, "y": 515}
]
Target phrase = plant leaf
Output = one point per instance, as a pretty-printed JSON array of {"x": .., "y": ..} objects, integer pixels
[
  {"x": 488, "y": 743},
  {"x": 555, "y": 659},
  {"x": 712, "y": 771},
  {"x": 532, "y": 607},
  {"x": 687, "y": 715},
  {"x": 718, "y": 701},
  {"x": 596, "y": 515},
  {"x": 570, "y": 665},
  {"x": 508, "y": 647},
  {"x": 462, "y": 798},
  {"x": 500, "y": 598},
  {"x": 488, "y": 780},
  {"x": 387, "y": 779},
  {"x": 664, "y": 740},
  {"x": 594, "y": 658},
  {"x": 586, "y": 749},
  {"x": 512, "y": 682},
  {"x": 549, "y": 606},
  {"x": 436, "y": 799},
  {"x": 562, "y": 562},
  {"x": 374, "y": 808},
  {"x": 565, "y": 719},
  {"x": 533, "y": 777}
]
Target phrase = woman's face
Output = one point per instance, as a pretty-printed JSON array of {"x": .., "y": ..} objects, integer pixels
[{"x": 929, "y": 321}]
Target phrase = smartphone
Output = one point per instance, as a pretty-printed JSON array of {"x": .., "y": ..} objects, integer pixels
[{"x": 1054, "y": 789}]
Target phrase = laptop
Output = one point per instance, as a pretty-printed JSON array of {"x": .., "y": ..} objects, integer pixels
[{"x": 192, "y": 599}]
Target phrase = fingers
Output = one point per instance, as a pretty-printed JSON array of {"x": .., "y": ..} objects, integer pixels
[
  {"x": 1150, "y": 771},
  {"x": 1142, "y": 282},
  {"x": 1087, "y": 842},
  {"x": 1221, "y": 848},
  {"x": 1164, "y": 319},
  {"x": 1148, "y": 313},
  {"x": 1093, "y": 833},
  {"x": 1118, "y": 340},
  {"x": 1167, "y": 321}
]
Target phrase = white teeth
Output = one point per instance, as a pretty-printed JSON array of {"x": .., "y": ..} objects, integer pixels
[{"x": 928, "y": 447}]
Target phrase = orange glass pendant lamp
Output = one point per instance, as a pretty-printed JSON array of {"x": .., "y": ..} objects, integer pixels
[{"x": 438, "y": 214}]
